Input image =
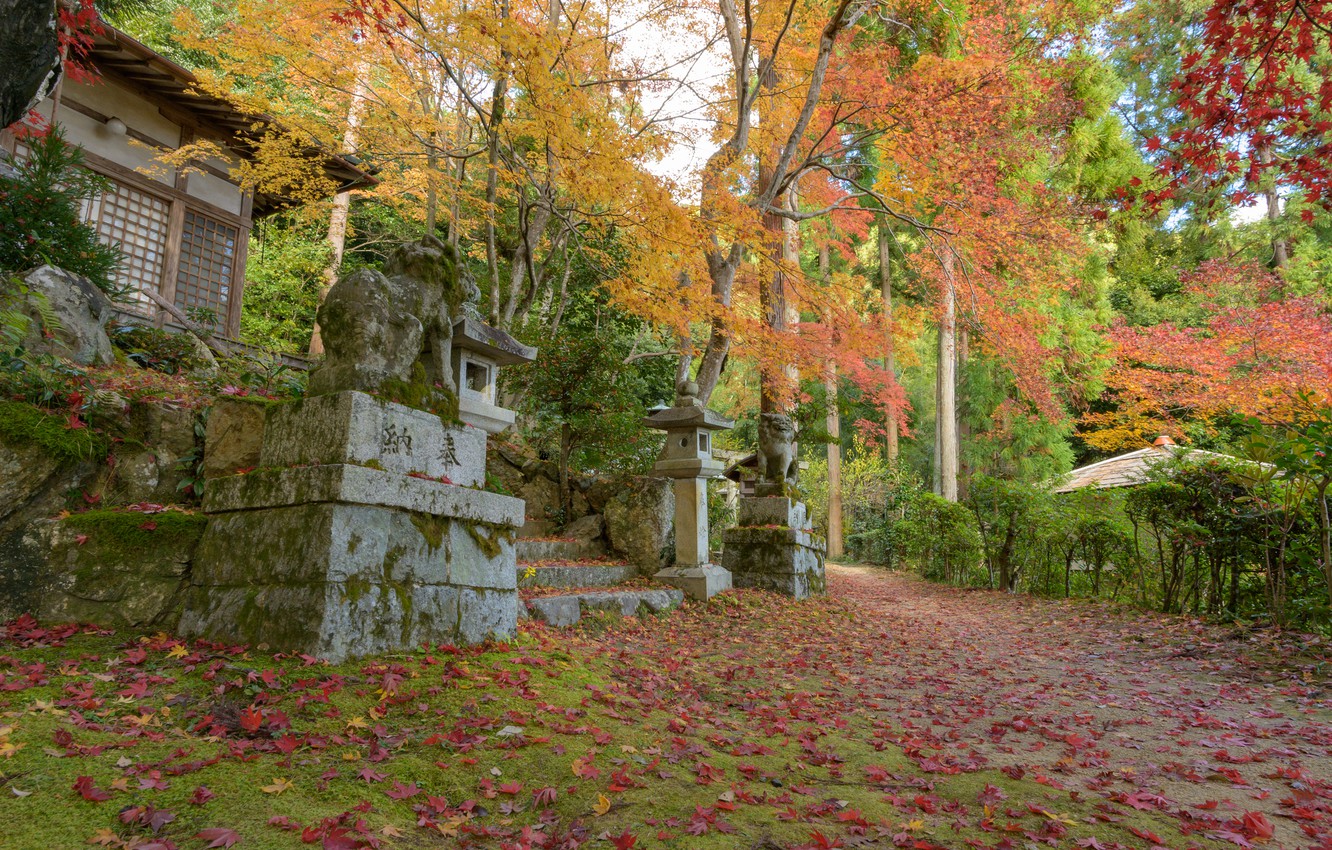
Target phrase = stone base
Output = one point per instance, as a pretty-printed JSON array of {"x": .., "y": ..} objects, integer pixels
[
  {"x": 772, "y": 510},
  {"x": 340, "y": 581},
  {"x": 774, "y": 555},
  {"x": 355, "y": 428},
  {"x": 699, "y": 582},
  {"x": 341, "y": 561}
]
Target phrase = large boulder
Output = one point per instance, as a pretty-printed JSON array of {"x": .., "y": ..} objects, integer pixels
[
  {"x": 639, "y": 521},
  {"x": 81, "y": 311},
  {"x": 234, "y": 436},
  {"x": 114, "y": 568},
  {"x": 149, "y": 464}
]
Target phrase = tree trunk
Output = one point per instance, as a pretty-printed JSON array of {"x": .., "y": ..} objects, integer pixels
[
  {"x": 963, "y": 426},
  {"x": 337, "y": 219},
  {"x": 886, "y": 285},
  {"x": 1280, "y": 248},
  {"x": 946, "y": 415},
  {"x": 772, "y": 293},
  {"x": 836, "y": 547}
]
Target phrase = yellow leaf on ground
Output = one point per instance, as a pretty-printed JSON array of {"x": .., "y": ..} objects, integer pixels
[
  {"x": 279, "y": 785},
  {"x": 178, "y": 651},
  {"x": 602, "y": 806}
]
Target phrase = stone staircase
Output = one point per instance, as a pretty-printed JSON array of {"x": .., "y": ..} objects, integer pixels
[{"x": 563, "y": 578}]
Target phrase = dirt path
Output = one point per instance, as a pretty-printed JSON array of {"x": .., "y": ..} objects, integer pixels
[{"x": 1167, "y": 712}]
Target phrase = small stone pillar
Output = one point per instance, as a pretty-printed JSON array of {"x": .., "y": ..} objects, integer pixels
[
  {"x": 687, "y": 458},
  {"x": 773, "y": 546}
]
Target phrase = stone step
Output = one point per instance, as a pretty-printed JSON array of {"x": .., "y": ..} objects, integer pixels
[
  {"x": 576, "y": 574},
  {"x": 557, "y": 549},
  {"x": 569, "y": 609}
]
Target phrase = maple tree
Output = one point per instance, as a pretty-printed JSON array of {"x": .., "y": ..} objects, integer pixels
[
  {"x": 1253, "y": 349},
  {"x": 1256, "y": 99}
]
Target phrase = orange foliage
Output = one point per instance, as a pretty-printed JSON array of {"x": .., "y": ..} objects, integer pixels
[{"x": 1259, "y": 352}]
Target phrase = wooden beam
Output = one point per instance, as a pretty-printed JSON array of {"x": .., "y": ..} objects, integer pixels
[{"x": 115, "y": 170}]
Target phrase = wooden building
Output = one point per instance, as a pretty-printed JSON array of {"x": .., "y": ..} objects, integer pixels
[{"x": 184, "y": 232}]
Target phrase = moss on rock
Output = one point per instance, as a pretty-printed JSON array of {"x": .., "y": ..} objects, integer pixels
[{"x": 23, "y": 423}]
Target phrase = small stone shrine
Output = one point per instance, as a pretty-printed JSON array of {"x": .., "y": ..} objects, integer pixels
[
  {"x": 773, "y": 545},
  {"x": 363, "y": 529},
  {"x": 687, "y": 458}
]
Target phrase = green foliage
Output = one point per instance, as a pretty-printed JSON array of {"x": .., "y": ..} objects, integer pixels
[
  {"x": 940, "y": 539},
  {"x": 154, "y": 348},
  {"x": 283, "y": 275},
  {"x": 23, "y": 424},
  {"x": 40, "y": 219}
]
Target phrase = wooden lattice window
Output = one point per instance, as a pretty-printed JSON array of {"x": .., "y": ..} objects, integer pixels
[
  {"x": 135, "y": 222},
  {"x": 207, "y": 258}
]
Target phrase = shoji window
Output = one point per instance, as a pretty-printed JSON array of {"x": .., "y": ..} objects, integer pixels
[{"x": 207, "y": 258}]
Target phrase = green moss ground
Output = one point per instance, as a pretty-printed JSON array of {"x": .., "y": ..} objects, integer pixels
[{"x": 708, "y": 733}]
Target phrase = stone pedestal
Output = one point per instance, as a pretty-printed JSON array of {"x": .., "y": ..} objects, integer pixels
[
  {"x": 773, "y": 547},
  {"x": 359, "y": 533}
]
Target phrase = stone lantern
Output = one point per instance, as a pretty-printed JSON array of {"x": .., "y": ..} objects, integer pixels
[
  {"x": 478, "y": 352},
  {"x": 687, "y": 458}
]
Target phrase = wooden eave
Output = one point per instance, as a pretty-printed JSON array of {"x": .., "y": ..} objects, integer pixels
[{"x": 177, "y": 94}]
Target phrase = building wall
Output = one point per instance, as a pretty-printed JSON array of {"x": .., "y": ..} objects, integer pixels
[{"x": 184, "y": 232}]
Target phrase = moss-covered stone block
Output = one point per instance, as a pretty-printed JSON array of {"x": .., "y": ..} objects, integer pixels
[{"x": 114, "y": 568}]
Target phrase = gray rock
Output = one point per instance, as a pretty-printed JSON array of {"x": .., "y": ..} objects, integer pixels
[
  {"x": 556, "y": 610},
  {"x": 542, "y": 497},
  {"x": 587, "y": 575},
  {"x": 82, "y": 311},
  {"x": 29, "y": 56},
  {"x": 148, "y": 466},
  {"x": 569, "y": 610},
  {"x": 589, "y": 527},
  {"x": 234, "y": 436},
  {"x": 34, "y": 485},
  {"x": 531, "y": 551},
  {"x": 63, "y": 571},
  {"x": 639, "y": 522}
]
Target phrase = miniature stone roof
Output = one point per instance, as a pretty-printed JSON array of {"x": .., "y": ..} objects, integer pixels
[
  {"x": 474, "y": 335},
  {"x": 694, "y": 416},
  {"x": 1129, "y": 469}
]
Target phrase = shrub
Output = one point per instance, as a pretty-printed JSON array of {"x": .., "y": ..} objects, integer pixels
[
  {"x": 940, "y": 538},
  {"x": 40, "y": 214}
]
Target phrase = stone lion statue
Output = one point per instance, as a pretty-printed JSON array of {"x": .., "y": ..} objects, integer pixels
[
  {"x": 378, "y": 326},
  {"x": 776, "y": 454}
]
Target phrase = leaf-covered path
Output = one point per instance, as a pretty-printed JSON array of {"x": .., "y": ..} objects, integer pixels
[
  {"x": 893, "y": 713},
  {"x": 1154, "y": 713}
]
